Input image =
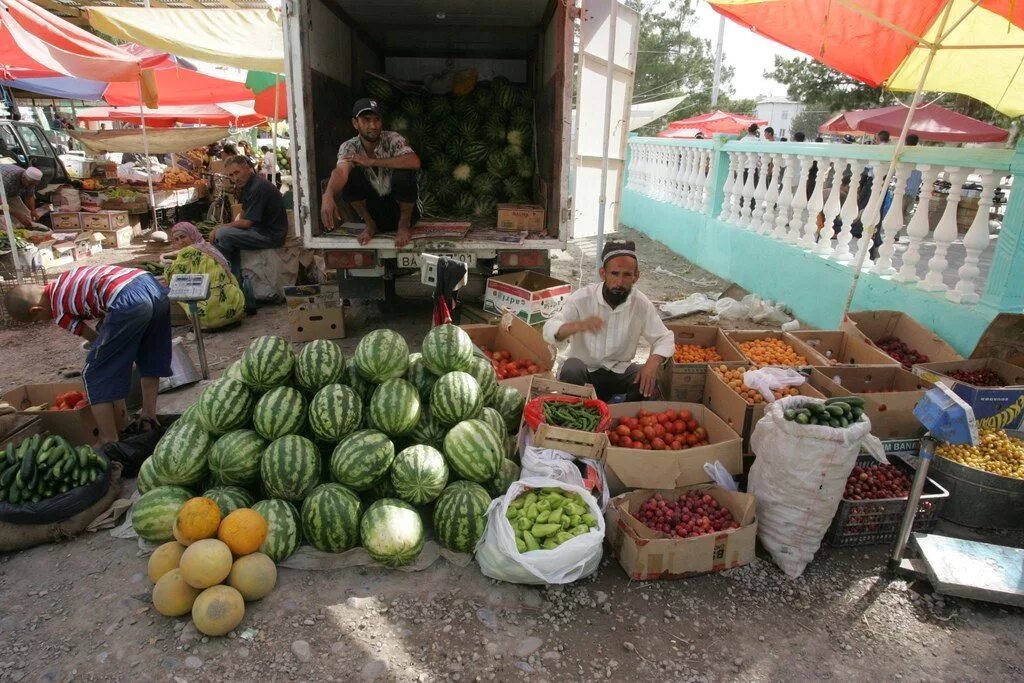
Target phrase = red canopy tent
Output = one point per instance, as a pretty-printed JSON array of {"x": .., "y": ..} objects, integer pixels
[
  {"x": 710, "y": 123},
  {"x": 177, "y": 84},
  {"x": 238, "y": 114},
  {"x": 931, "y": 122}
]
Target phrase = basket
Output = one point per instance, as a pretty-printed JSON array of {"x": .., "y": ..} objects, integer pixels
[
  {"x": 534, "y": 411},
  {"x": 876, "y": 522}
]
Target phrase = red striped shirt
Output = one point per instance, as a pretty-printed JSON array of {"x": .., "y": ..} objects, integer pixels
[{"x": 86, "y": 293}]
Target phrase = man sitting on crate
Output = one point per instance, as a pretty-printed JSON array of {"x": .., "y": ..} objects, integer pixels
[
  {"x": 376, "y": 174},
  {"x": 602, "y": 324}
]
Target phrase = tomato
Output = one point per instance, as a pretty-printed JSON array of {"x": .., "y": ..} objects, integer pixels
[
  {"x": 648, "y": 431},
  {"x": 613, "y": 439},
  {"x": 532, "y": 370},
  {"x": 626, "y": 442},
  {"x": 678, "y": 427},
  {"x": 636, "y": 435},
  {"x": 658, "y": 444},
  {"x": 659, "y": 430},
  {"x": 700, "y": 433},
  {"x": 691, "y": 439},
  {"x": 672, "y": 415},
  {"x": 622, "y": 430},
  {"x": 633, "y": 422},
  {"x": 81, "y": 404},
  {"x": 662, "y": 418},
  {"x": 676, "y": 445},
  {"x": 691, "y": 425},
  {"x": 685, "y": 415}
]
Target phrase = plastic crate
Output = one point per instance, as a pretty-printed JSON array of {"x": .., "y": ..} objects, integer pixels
[{"x": 876, "y": 522}]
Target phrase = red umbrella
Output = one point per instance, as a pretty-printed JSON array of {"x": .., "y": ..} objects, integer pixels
[
  {"x": 931, "y": 122},
  {"x": 709, "y": 124},
  {"x": 238, "y": 114},
  {"x": 177, "y": 83}
]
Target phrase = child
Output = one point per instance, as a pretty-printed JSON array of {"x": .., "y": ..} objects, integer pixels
[{"x": 136, "y": 329}]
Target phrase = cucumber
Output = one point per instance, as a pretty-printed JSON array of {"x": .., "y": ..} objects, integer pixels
[
  {"x": 28, "y": 465},
  {"x": 816, "y": 408},
  {"x": 14, "y": 494},
  {"x": 3, "y": 494},
  {"x": 83, "y": 457},
  {"x": 802, "y": 418},
  {"x": 789, "y": 414},
  {"x": 833, "y": 423},
  {"x": 843, "y": 422},
  {"x": 8, "y": 476},
  {"x": 9, "y": 454},
  {"x": 837, "y": 409}
]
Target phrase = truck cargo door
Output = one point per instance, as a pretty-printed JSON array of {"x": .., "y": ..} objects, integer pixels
[{"x": 604, "y": 82}]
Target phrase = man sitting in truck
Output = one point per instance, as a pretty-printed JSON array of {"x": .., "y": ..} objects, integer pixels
[
  {"x": 376, "y": 174},
  {"x": 602, "y": 323}
]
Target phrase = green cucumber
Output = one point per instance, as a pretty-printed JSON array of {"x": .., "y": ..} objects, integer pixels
[
  {"x": 14, "y": 494},
  {"x": 9, "y": 454},
  {"x": 83, "y": 457},
  {"x": 8, "y": 476},
  {"x": 28, "y": 465},
  {"x": 837, "y": 409}
]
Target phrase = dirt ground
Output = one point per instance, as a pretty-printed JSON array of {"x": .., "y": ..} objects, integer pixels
[{"x": 80, "y": 610}]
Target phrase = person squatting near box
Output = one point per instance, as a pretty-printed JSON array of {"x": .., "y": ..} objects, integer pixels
[
  {"x": 136, "y": 329},
  {"x": 602, "y": 324}
]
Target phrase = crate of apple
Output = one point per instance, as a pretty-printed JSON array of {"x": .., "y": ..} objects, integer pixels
[
  {"x": 691, "y": 515},
  {"x": 669, "y": 430},
  {"x": 876, "y": 482},
  {"x": 506, "y": 367},
  {"x": 901, "y": 351}
]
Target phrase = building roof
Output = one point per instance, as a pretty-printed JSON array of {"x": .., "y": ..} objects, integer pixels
[{"x": 778, "y": 99}]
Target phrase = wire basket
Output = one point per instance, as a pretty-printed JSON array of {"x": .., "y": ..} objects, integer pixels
[
  {"x": 876, "y": 522},
  {"x": 33, "y": 275}
]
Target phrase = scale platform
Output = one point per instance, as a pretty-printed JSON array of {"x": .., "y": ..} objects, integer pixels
[{"x": 969, "y": 569}]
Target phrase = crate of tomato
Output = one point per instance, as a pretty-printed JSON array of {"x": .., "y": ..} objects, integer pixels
[{"x": 566, "y": 417}]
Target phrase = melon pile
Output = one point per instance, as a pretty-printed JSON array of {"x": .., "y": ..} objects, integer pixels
[
  {"x": 213, "y": 566},
  {"x": 370, "y": 452}
]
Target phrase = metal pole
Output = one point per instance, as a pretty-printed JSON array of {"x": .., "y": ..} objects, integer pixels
[
  {"x": 916, "y": 487},
  {"x": 718, "y": 63},
  {"x": 602, "y": 204},
  {"x": 193, "y": 312},
  {"x": 149, "y": 165},
  {"x": 10, "y": 234},
  {"x": 273, "y": 130}
]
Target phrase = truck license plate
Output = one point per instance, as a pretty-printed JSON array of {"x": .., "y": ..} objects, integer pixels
[{"x": 409, "y": 259}]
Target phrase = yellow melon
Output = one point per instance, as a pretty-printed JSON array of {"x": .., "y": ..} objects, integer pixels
[
  {"x": 205, "y": 563},
  {"x": 164, "y": 559},
  {"x": 198, "y": 518},
  {"x": 218, "y": 610},
  {"x": 244, "y": 530},
  {"x": 172, "y": 597},
  {"x": 254, "y": 576},
  {"x": 180, "y": 537}
]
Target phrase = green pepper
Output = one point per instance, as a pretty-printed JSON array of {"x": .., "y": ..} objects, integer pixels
[
  {"x": 567, "y": 523},
  {"x": 555, "y": 517},
  {"x": 549, "y": 544},
  {"x": 574, "y": 519},
  {"x": 524, "y": 523},
  {"x": 543, "y": 504},
  {"x": 543, "y": 517},
  {"x": 580, "y": 529},
  {"x": 562, "y": 537},
  {"x": 530, "y": 541},
  {"x": 512, "y": 513},
  {"x": 517, "y": 503},
  {"x": 588, "y": 519},
  {"x": 545, "y": 530},
  {"x": 531, "y": 498},
  {"x": 532, "y": 511},
  {"x": 520, "y": 545}
]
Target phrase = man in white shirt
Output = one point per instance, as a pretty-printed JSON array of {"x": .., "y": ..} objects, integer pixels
[{"x": 602, "y": 324}]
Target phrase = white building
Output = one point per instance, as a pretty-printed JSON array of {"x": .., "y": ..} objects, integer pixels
[{"x": 779, "y": 112}]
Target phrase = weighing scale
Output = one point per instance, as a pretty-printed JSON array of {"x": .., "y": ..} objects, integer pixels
[
  {"x": 191, "y": 289},
  {"x": 953, "y": 566}
]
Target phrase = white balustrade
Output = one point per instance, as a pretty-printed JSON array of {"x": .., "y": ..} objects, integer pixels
[
  {"x": 677, "y": 191},
  {"x": 975, "y": 242},
  {"x": 749, "y": 188},
  {"x": 761, "y": 181},
  {"x": 694, "y": 180},
  {"x": 833, "y": 175},
  {"x": 918, "y": 228},
  {"x": 848, "y": 213},
  {"x": 708, "y": 169},
  {"x": 771, "y": 196},
  {"x": 785, "y": 200},
  {"x": 728, "y": 188},
  {"x": 892, "y": 224},
  {"x": 814, "y": 205},
  {"x": 736, "y": 206},
  {"x": 945, "y": 233},
  {"x": 799, "y": 200},
  {"x": 872, "y": 214}
]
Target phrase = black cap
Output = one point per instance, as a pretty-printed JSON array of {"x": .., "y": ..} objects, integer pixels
[{"x": 365, "y": 105}]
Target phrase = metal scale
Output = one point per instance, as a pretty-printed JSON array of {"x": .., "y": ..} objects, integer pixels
[
  {"x": 191, "y": 289},
  {"x": 953, "y": 566}
]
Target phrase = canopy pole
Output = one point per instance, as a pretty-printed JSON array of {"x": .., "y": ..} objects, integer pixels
[
  {"x": 602, "y": 205},
  {"x": 868, "y": 231},
  {"x": 149, "y": 165},
  {"x": 10, "y": 234},
  {"x": 273, "y": 129}
]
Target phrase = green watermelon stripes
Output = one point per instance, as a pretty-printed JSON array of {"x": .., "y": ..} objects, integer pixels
[
  {"x": 455, "y": 397},
  {"x": 230, "y": 498},
  {"x": 473, "y": 450},
  {"x": 225, "y": 405},
  {"x": 381, "y": 355},
  {"x": 460, "y": 516},
  {"x": 319, "y": 363},
  {"x": 234, "y": 458},
  {"x": 447, "y": 348},
  {"x": 361, "y": 459},
  {"x": 395, "y": 407},
  {"x": 335, "y": 412},
  {"x": 419, "y": 474},
  {"x": 267, "y": 363},
  {"x": 180, "y": 457},
  {"x": 283, "y": 535},
  {"x": 330, "y": 518},
  {"x": 279, "y": 412},
  {"x": 392, "y": 532},
  {"x": 290, "y": 468}
]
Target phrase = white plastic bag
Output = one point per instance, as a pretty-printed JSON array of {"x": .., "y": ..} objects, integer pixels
[
  {"x": 498, "y": 557},
  {"x": 716, "y": 470},
  {"x": 550, "y": 463},
  {"x": 798, "y": 479},
  {"x": 767, "y": 379},
  {"x": 751, "y": 307},
  {"x": 695, "y": 303}
]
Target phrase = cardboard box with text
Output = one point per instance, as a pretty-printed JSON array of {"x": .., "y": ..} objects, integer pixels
[
  {"x": 534, "y": 297},
  {"x": 520, "y": 217},
  {"x": 994, "y": 407},
  {"x": 521, "y": 341}
]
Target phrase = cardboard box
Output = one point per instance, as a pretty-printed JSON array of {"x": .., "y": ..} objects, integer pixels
[
  {"x": 317, "y": 322},
  {"x": 573, "y": 441},
  {"x": 117, "y": 239},
  {"x": 877, "y": 325},
  {"x": 106, "y": 221},
  {"x": 994, "y": 407},
  {"x": 519, "y": 339},
  {"x": 813, "y": 357},
  {"x": 843, "y": 348},
  {"x": 65, "y": 220},
  {"x": 519, "y": 217},
  {"x": 77, "y": 426},
  {"x": 686, "y": 380},
  {"x": 646, "y": 554},
  {"x": 531, "y": 296},
  {"x": 312, "y": 296},
  {"x": 630, "y": 468},
  {"x": 889, "y": 394},
  {"x": 734, "y": 410}
]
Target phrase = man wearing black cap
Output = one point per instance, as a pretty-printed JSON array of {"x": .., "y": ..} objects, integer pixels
[
  {"x": 376, "y": 174},
  {"x": 602, "y": 324}
]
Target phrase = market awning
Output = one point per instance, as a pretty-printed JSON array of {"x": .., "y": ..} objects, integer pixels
[
  {"x": 237, "y": 114},
  {"x": 710, "y": 123},
  {"x": 180, "y": 86},
  {"x": 247, "y": 39},
  {"x": 64, "y": 87},
  {"x": 931, "y": 122},
  {"x": 161, "y": 141}
]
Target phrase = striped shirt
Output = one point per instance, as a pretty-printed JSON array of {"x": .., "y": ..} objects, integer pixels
[
  {"x": 86, "y": 293},
  {"x": 613, "y": 347}
]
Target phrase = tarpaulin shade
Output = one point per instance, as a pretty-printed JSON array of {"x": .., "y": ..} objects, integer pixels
[
  {"x": 710, "y": 123},
  {"x": 238, "y": 114},
  {"x": 247, "y": 39},
  {"x": 64, "y": 87},
  {"x": 180, "y": 86},
  {"x": 978, "y": 44},
  {"x": 162, "y": 141},
  {"x": 642, "y": 113},
  {"x": 267, "y": 87},
  {"x": 931, "y": 122}
]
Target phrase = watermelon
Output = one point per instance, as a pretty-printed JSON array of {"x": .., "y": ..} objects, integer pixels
[
  {"x": 495, "y": 130},
  {"x": 335, "y": 412},
  {"x": 504, "y": 93},
  {"x": 499, "y": 164},
  {"x": 319, "y": 363},
  {"x": 279, "y": 412},
  {"x": 484, "y": 185},
  {"x": 230, "y": 498},
  {"x": 225, "y": 405},
  {"x": 290, "y": 468},
  {"x": 362, "y": 458},
  {"x": 473, "y": 450},
  {"x": 524, "y": 167},
  {"x": 363, "y": 387},
  {"x": 462, "y": 173},
  {"x": 378, "y": 89},
  {"x": 484, "y": 206},
  {"x": 455, "y": 397},
  {"x": 484, "y": 374},
  {"x": 509, "y": 403},
  {"x": 420, "y": 376},
  {"x": 392, "y": 532},
  {"x": 463, "y": 204},
  {"x": 381, "y": 355},
  {"x": 146, "y": 480},
  {"x": 283, "y": 535},
  {"x": 330, "y": 518},
  {"x": 475, "y": 152},
  {"x": 382, "y": 488},
  {"x": 234, "y": 371},
  {"x": 234, "y": 458},
  {"x": 447, "y": 348},
  {"x": 154, "y": 513},
  {"x": 438, "y": 107},
  {"x": 395, "y": 407},
  {"x": 495, "y": 421},
  {"x": 460, "y": 516},
  {"x": 419, "y": 474},
  {"x": 267, "y": 363},
  {"x": 191, "y": 414},
  {"x": 413, "y": 107},
  {"x": 508, "y": 473},
  {"x": 180, "y": 456},
  {"x": 427, "y": 431}
]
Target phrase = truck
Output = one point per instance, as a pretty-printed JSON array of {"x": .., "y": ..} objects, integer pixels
[{"x": 552, "y": 49}]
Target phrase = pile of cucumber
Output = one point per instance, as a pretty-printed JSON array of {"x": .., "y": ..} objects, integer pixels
[
  {"x": 40, "y": 468},
  {"x": 838, "y": 412}
]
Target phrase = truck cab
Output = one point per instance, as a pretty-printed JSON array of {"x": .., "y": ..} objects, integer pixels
[{"x": 25, "y": 143}]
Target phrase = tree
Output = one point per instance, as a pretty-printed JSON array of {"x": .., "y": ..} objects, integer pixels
[{"x": 809, "y": 120}]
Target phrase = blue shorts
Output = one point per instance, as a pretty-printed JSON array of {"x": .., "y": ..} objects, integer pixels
[{"x": 136, "y": 330}]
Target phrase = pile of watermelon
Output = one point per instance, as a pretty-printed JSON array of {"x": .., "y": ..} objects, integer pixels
[{"x": 368, "y": 452}]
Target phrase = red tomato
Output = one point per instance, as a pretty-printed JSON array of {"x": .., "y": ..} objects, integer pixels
[
  {"x": 648, "y": 431},
  {"x": 613, "y": 439},
  {"x": 685, "y": 415},
  {"x": 659, "y": 430},
  {"x": 626, "y": 442},
  {"x": 700, "y": 433},
  {"x": 672, "y": 415},
  {"x": 678, "y": 427},
  {"x": 532, "y": 370},
  {"x": 692, "y": 439},
  {"x": 644, "y": 413},
  {"x": 636, "y": 435},
  {"x": 676, "y": 445},
  {"x": 622, "y": 430},
  {"x": 691, "y": 425},
  {"x": 658, "y": 444},
  {"x": 81, "y": 404},
  {"x": 662, "y": 418}
]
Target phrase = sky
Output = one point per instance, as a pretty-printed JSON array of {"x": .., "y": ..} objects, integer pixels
[{"x": 748, "y": 53}]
